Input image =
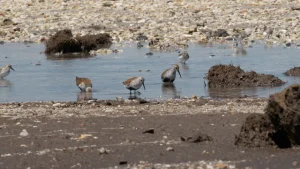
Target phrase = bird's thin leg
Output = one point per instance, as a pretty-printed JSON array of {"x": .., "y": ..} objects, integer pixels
[{"x": 80, "y": 88}]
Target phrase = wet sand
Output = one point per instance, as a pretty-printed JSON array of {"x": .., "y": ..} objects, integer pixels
[{"x": 105, "y": 134}]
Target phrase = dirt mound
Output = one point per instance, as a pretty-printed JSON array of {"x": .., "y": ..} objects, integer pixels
[
  {"x": 279, "y": 126},
  {"x": 295, "y": 71},
  {"x": 64, "y": 42},
  {"x": 284, "y": 111},
  {"x": 231, "y": 76},
  {"x": 92, "y": 42},
  {"x": 256, "y": 132}
]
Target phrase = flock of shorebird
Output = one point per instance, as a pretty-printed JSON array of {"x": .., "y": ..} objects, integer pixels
[{"x": 134, "y": 83}]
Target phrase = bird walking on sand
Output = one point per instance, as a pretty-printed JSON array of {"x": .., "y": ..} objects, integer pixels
[
  {"x": 134, "y": 83},
  {"x": 183, "y": 57},
  {"x": 84, "y": 84},
  {"x": 169, "y": 75},
  {"x": 5, "y": 71}
]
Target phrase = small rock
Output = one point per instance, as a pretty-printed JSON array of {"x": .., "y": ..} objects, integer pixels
[
  {"x": 24, "y": 133},
  {"x": 221, "y": 166},
  {"x": 295, "y": 163},
  {"x": 150, "y": 131},
  {"x": 170, "y": 149},
  {"x": 194, "y": 97},
  {"x": 123, "y": 162},
  {"x": 56, "y": 104},
  {"x": 118, "y": 98},
  {"x": 102, "y": 150},
  {"x": 91, "y": 101}
]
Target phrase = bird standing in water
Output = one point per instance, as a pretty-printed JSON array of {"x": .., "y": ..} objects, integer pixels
[
  {"x": 183, "y": 57},
  {"x": 84, "y": 84},
  {"x": 5, "y": 71},
  {"x": 169, "y": 75},
  {"x": 134, "y": 83}
]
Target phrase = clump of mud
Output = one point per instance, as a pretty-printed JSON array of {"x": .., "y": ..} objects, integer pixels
[
  {"x": 234, "y": 76},
  {"x": 63, "y": 42},
  {"x": 257, "y": 131},
  {"x": 295, "y": 71},
  {"x": 280, "y": 125}
]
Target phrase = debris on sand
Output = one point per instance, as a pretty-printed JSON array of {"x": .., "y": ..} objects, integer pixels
[
  {"x": 280, "y": 125},
  {"x": 234, "y": 76},
  {"x": 295, "y": 71},
  {"x": 197, "y": 138},
  {"x": 63, "y": 42}
]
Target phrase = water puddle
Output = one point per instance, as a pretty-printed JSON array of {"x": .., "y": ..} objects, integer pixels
[{"x": 54, "y": 79}]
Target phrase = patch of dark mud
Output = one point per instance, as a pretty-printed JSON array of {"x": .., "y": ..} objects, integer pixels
[
  {"x": 63, "y": 42},
  {"x": 295, "y": 71},
  {"x": 280, "y": 125},
  {"x": 234, "y": 76}
]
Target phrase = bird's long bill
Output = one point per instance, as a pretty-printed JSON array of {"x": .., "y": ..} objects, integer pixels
[
  {"x": 12, "y": 68},
  {"x": 179, "y": 73},
  {"x": 144, "y": 86}
]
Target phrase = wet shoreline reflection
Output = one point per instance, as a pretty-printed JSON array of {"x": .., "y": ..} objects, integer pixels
[{"x": 169, "y": 90}]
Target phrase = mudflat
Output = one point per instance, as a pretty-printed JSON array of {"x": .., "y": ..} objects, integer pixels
[{"x": 134, "y": 134}]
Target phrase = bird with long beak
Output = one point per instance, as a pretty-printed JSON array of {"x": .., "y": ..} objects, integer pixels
[
  {"x": 169, "y": 75},
  {"x": 134, "y": 83},
  {"x": 84, "y": 84},
  {"x": 5, "y": 71}
]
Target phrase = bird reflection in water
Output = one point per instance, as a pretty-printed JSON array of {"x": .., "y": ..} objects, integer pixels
[
  {"x": 5, "y": 83},
  {"x": 169, "y": 90},
  {"x": 238, "y": 47},
  {"x": 85, "y": 96},
  {"x": 184, "y": 66}
]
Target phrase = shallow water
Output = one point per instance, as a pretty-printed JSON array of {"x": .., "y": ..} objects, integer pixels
[{"x": 55, "y": 79}]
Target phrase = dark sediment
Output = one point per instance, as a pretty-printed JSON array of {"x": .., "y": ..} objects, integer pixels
[
  {"x": 279, "y": 126},
  {"x": 64, "y": 42},
  {"x": 295, "y": 71},
  {"x": 232, "y": 76}
]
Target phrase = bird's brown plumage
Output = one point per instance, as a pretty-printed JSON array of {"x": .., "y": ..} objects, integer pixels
[
  {"x": 128, "y": 81},
  {"x": 84, "y": 80}
]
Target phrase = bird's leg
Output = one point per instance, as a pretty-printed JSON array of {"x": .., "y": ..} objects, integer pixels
[{"x": 80, "y": 88}]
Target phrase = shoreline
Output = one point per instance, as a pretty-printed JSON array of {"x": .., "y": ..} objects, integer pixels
[{"x": 174, "y": 22}]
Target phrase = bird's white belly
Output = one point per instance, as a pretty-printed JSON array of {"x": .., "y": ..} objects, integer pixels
[{"x": 3, "y": 74}]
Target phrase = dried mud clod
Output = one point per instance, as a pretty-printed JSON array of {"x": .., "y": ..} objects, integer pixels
[
  {"x": 279, "y": 126},
  {"x": 284, "y": 111},
  {"x": 256, "y": 132},
  {"x": 64, "y": 42},
  {"x": 295, "y": 71},
  {"x": 234, "y": 76}
]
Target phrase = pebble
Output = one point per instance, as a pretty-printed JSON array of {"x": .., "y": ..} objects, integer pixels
[
  {"x": 170, "y": 149},
  {"x": 102, "y": 150},
  {"x": 24, "y": 133}
]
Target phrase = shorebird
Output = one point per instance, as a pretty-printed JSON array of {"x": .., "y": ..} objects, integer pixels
[
  {"x": 169, "y": 75},
  {"x": 5, "y": 71},
  {"x": 184, "y": 56},
  {"x": 84, "y": 84},
  {"x": 134, "y": 83}
]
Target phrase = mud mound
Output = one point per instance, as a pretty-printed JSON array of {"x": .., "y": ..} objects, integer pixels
[
  {"x": 64, "y": 42},
  {"x": 284, "y": 111},
  {"x": 279, "y": 126},
  {"x": 295, "y": 71},
  {"x": 257, "y": 131},
  {"x": 93, "y": 42},
  {"x": 231, "y": 76}
]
